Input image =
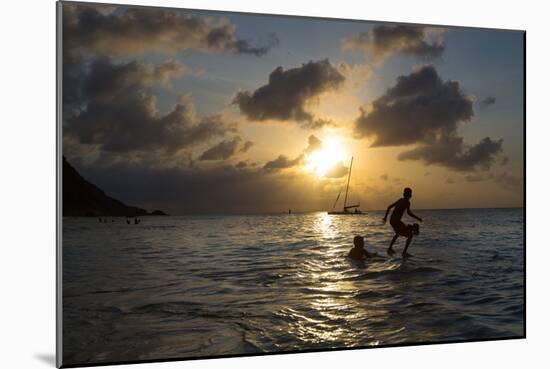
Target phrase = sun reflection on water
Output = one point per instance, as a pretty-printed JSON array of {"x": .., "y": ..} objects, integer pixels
[{"x": 330, "y": 313}]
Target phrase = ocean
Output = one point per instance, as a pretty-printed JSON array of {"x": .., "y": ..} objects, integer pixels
[{"x": 197, "y": 286}]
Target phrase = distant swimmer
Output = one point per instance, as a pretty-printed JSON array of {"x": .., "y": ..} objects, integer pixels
[
  {"x": 400, "y": 228},
  {"x": 128, "y": 221},
  {"x": 358, "y": 251}
]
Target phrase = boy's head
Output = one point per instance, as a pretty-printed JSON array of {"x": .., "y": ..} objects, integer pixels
[
  {"x": 358, "y": 241},
  {"x": 407, "y": 193}
]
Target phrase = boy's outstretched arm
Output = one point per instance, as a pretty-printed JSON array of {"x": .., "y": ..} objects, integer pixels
[
  {"x": 412, "y": 215},
  {"x": 388, "y": 210}
]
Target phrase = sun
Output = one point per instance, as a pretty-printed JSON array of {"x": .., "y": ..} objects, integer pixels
[{"x": 327, "y": 157}]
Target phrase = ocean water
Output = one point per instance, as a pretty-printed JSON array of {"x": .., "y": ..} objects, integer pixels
[{"x": 195, "y": 286}]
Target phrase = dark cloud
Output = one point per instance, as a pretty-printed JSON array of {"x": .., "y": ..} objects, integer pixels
[
  {"x": 98, "y": 30},
  {"x": 450, "y": 181},
  {"x": 505, "y": 180},
  {"x": 111, "y": 105},
  {"x": 314, "y": 144},
  {"x": 119, "y": 114},
  {"x": 246, "y": 146},
  {"x": 283, "y": 162},
  {"x": 244, "y": 47},
  {"x": 384, "y": 177},
  {"x": 338, "y": 171},
  {"x": 222, "y": 150},
  {"x": 451, "y": 152},
  {"x": 226, "y": 149},
  {"x": 509, "y": 182},
  {"x": 488, "y": 101},
  {"x": 241, "y": 164},
  {"x": 287, "y": 93},
  {"x": 478, "y": 177},
  {"x": 188, "y": 190},
  {"x": 423, "y": 109},
  {"x": 383, "y": 41},
  {"x": 418, "y": 108}
]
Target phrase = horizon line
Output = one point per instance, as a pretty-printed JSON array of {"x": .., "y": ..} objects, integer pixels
[{"x": 291, "y": 213}]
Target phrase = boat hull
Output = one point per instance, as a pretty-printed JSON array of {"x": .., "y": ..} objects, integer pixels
[{"x": 344, "y": 213}]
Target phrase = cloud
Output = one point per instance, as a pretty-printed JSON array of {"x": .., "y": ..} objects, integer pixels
[
  {"x": 96, "y": 29},
  {"x": 338, "y": 171},
  {"x": 452, "y": 153},
  {"x": 384, "y": 40},
  {"x": 478, "y": 177},
  {"x": 246, "y": 146},
  {"x": 118, "y": 112},
  {"x": 488, "y": 101},
  {"x": 423, "y": 109},
  {"x": 505, "y": 180},
  {"x": 195, "y": 190},
  {"x": 418, "y": 108},
  {"x": 242, "y": 164},
  {"x": 384, "y": 177},
  {"x": 283, "y": 162},
  {"x": 314, "y": 144},
  {"x": 286, "y": 95},
  {"x": 226, "y": 149},
  {"x": 450, "y": 181},
  {"x": 222, "y": 150},
  {"x": 509, "y": 182}
]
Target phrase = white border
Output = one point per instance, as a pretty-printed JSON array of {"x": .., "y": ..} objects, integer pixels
[{"x": 27, "y": 220}]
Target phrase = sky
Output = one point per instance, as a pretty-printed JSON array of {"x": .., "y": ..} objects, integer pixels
[{"x": 201, "y": 112}]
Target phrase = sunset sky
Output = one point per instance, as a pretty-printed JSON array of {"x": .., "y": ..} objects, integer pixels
[{"x": 209, "y": 112}]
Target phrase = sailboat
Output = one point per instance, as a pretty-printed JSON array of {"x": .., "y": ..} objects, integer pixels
[{"x": 347, "y": 209}]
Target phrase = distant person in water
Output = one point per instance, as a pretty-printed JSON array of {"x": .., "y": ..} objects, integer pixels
[
  {"x": 358, "y": 251},
  {"x": 400, "y": 228}
]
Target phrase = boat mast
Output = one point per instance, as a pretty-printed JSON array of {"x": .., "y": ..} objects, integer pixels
[{"x": 347, "y": 186}]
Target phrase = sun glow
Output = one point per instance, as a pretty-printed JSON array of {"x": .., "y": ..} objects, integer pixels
[{"x": 326, "y": 158}]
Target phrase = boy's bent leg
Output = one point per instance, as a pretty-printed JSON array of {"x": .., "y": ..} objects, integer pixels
[
  {"x": 409, "y": 239},
  {"x": 390, "y": 249}
]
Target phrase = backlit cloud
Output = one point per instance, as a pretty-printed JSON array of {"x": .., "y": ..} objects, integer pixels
[
  {"x": 418, "y": 108},
  {"x": 423, "y": 109},
  {"x": 226, "y": 149},
  {"x": 99, "y": 30},
  {"x": 119, "y": 113},
  {"x": 488, "y": 101},
  {"x": 283, "y": 162},
  {"x": 287, "y": 93},
  {"x": 385, "y": 40},
  {"x": 338, "y": 171},
  {"x": 454, "y": 154}
]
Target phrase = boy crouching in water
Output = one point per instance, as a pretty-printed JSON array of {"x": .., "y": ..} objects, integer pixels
[{"x": 358, "y": 251}]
